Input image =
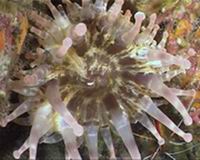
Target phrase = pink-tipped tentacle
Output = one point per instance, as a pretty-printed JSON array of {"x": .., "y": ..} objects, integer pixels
[
  {"x": 92, "y": 139},
  {"x": 38, "y": 76},
  {"x": 101, "y": 5},
  {"x": 129, "y": 36},
  {"x": 115, "y": 10},
  {"x": 105, "y": 132},
  {"x": 69, "y": 138},
  {"x": 62, "y": 50},
  {"x": 86, "y": 2},
  {"x": 40, "y": 21},
  {"x": 145, "y": 121},
  {"x": 152, "y": 21},
  {"x": 54, "y": 98},
  {"x": 122, "y": 125},
  {"x": 167, "y": 59},
  {"x": 17, "y": 153},
  {"x": 78, "y": 33},
  {"x": 23, "y": 108},
  {"x": 59, "y": 19},
  {"x": 149, "y": 107},
  {"x": 40, "y": 127},
  {"x": 157, "y": 86}
]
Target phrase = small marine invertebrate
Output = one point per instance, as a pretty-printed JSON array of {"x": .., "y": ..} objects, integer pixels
[{"x": 97, "y": 70}]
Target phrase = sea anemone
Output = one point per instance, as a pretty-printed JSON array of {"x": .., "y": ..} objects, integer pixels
[{"x": 96, "y": 71}]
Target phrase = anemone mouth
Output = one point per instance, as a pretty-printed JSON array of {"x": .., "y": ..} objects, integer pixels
[{"x": 101, "y": 70}]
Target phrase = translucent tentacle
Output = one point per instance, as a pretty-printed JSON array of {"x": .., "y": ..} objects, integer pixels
[
  {"x": 49, "y": 38},
  {"x": 115, "y": 9},
  {"x": 31, "y": 80},
  {"x": 78, "y": 32},
  {"x": 24, "y": 107},
  {"x": 17, "y": 85},
  {"x": 39, "y": 20},
  {"x": 92, "y": 139},
  {"x": 56, "y": 14},
  {"x": 41, "y": 34},
  {"x": 62, "y": 12},
  {"x": 50, "y": 139},
  {"x": 54, "y": 98},
  {"x": 144, "y": 120},
  {"x": 149, "y": 107},
  {"x": 40, "y": 127},
  {"x": 167, "y": 59},
  {"x": 70, "y": 143},
  {"x": 152, "y": 21},
  {"x": 108, "y": 141},
  {"x": 122, "y": 125},
  {"x": 163, "y": 41},
  {"x": 129, "y": 36},
  {"x": 38, "y": 77},
  {"x": 40, "y": 53},
  {"x": 101, "y": 5},
  {"x": 80, "y": 29},
  {"x": 161, "y": 89},
  {"x": 86, "y": 2},
  {"x": 59, "y": 19},
  {"x": 67, "y": 43},
  {"x": 128, "y": 14},
  {"x": 17, "y": 154},
  {"x": 154, "y": 32},
  {"x": 48, "y": 41},
  {"x": 171, "y": 74},
  {"x": 33, "y": 91},
  {"x": 180, "y": 92}
]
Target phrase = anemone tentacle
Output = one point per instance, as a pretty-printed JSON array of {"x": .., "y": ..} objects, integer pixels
[{"x": 97, "y": 71}]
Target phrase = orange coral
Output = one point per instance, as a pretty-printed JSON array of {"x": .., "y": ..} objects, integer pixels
[
  {"x": 183, "y": 27},
  {"x": 2, "y": 40},
  {"x": 23, "y": 32}
]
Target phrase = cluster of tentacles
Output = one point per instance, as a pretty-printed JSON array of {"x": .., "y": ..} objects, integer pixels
[{"x": 96, "y": 69}]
